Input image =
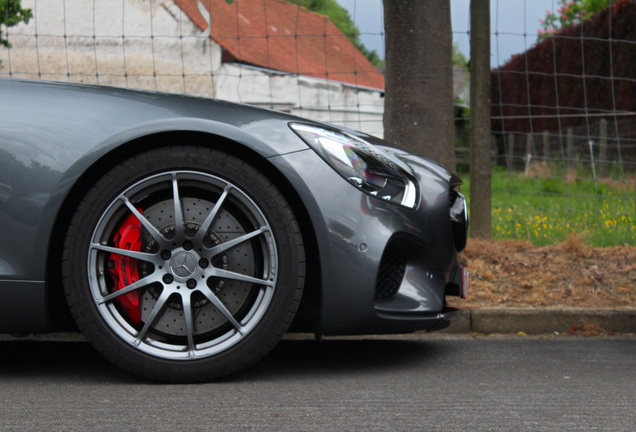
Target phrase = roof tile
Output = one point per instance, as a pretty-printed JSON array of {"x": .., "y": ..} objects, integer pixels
[{"x": 278, "y": 35}]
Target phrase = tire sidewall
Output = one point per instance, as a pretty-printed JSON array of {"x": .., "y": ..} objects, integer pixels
[{"x": 267, "y": 198}]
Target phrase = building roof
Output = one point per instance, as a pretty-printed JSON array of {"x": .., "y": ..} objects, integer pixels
[{"x": 278, "y": 35}]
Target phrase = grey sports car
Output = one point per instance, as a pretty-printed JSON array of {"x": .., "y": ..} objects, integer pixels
[{"x": 184, "y": 236}]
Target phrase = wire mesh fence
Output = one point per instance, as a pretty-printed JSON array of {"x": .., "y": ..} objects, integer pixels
[
  {"x": 563, "y": 109},
  {"x": 563, "y": 125},
  {"x": 269, "y": 53}
]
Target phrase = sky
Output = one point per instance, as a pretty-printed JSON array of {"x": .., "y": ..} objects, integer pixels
[{"x": 513, "y": 23}]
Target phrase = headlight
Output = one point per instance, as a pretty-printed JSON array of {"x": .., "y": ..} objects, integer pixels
[
  {"x": 459, "y": 218},
  {"x": 361, "y": 163}
]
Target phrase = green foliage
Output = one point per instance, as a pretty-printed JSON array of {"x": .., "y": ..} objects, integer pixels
[
  {"x": 594, "y": 6},
  {"x": 459, "y": 59},
  {"x": 12, "y": 14},
  {"x": 570, "y": 12},
  {"x": 341, "y": 18},
  {"x": 338, "y": 15}
]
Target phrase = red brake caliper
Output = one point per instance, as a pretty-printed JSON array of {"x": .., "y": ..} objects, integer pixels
[{"x": 124, "y": 271}]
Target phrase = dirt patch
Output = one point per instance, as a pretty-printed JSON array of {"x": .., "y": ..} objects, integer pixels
[{"x": 514, "y": 273}]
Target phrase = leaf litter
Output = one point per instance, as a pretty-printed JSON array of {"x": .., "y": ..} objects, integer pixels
[{"x": 514, "y": 273}]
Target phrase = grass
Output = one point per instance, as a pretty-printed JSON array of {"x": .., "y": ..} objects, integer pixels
[{"x": 546, "y": 209}]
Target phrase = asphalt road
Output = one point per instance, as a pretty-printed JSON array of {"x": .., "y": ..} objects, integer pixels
[{"x": 403, "y": 384}]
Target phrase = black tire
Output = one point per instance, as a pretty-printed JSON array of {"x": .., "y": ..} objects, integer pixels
[{"x": 240, "y": 279}]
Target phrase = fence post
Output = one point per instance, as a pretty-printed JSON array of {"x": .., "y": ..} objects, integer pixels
[
  {"x": 603, "y": 149},
  {"x": 570, "y": 150},
  {"x": 528, "y": 153},
  {"x": 509, "y": 151},
  {"x": 480, "y": 156}
]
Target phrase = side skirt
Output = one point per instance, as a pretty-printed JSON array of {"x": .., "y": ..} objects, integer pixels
[{"x": 22, "y": 306}]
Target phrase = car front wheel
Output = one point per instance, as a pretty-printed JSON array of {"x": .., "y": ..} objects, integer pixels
[{"x": 183, "y": 264}]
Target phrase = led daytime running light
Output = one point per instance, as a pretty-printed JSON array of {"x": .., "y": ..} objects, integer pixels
[{"x": 361, "y": 163}]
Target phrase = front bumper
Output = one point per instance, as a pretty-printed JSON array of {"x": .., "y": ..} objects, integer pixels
[{"x": 383, "y": 268}]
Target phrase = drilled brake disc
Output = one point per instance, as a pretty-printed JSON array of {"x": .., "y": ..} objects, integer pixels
[{"x": 238, "y": 259}]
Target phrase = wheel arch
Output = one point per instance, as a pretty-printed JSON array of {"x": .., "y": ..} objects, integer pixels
[{"x": 59, "y": 316}]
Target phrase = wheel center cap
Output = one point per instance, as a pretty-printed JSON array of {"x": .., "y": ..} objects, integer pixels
[{"x": 183, "y": 264}]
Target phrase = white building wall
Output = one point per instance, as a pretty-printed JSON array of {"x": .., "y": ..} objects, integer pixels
[
  {"x": 317, "y": 99},
  {"x": 135, "y": 43}
]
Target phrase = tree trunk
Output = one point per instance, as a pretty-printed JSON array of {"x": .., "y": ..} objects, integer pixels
[
  {"x": 418, "y": 107},
  {"x": 480, "y": 153}
]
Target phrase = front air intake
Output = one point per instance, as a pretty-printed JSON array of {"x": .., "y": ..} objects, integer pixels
[{"x": 390, "y": 273}]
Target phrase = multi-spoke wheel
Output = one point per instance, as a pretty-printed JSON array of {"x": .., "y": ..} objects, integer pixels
[{"x": 174, "y": 267}]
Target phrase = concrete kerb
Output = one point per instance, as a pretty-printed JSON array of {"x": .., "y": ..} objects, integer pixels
[
  {"x": 531, "y": 321},
  {"x": 541, "y": 320}
]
